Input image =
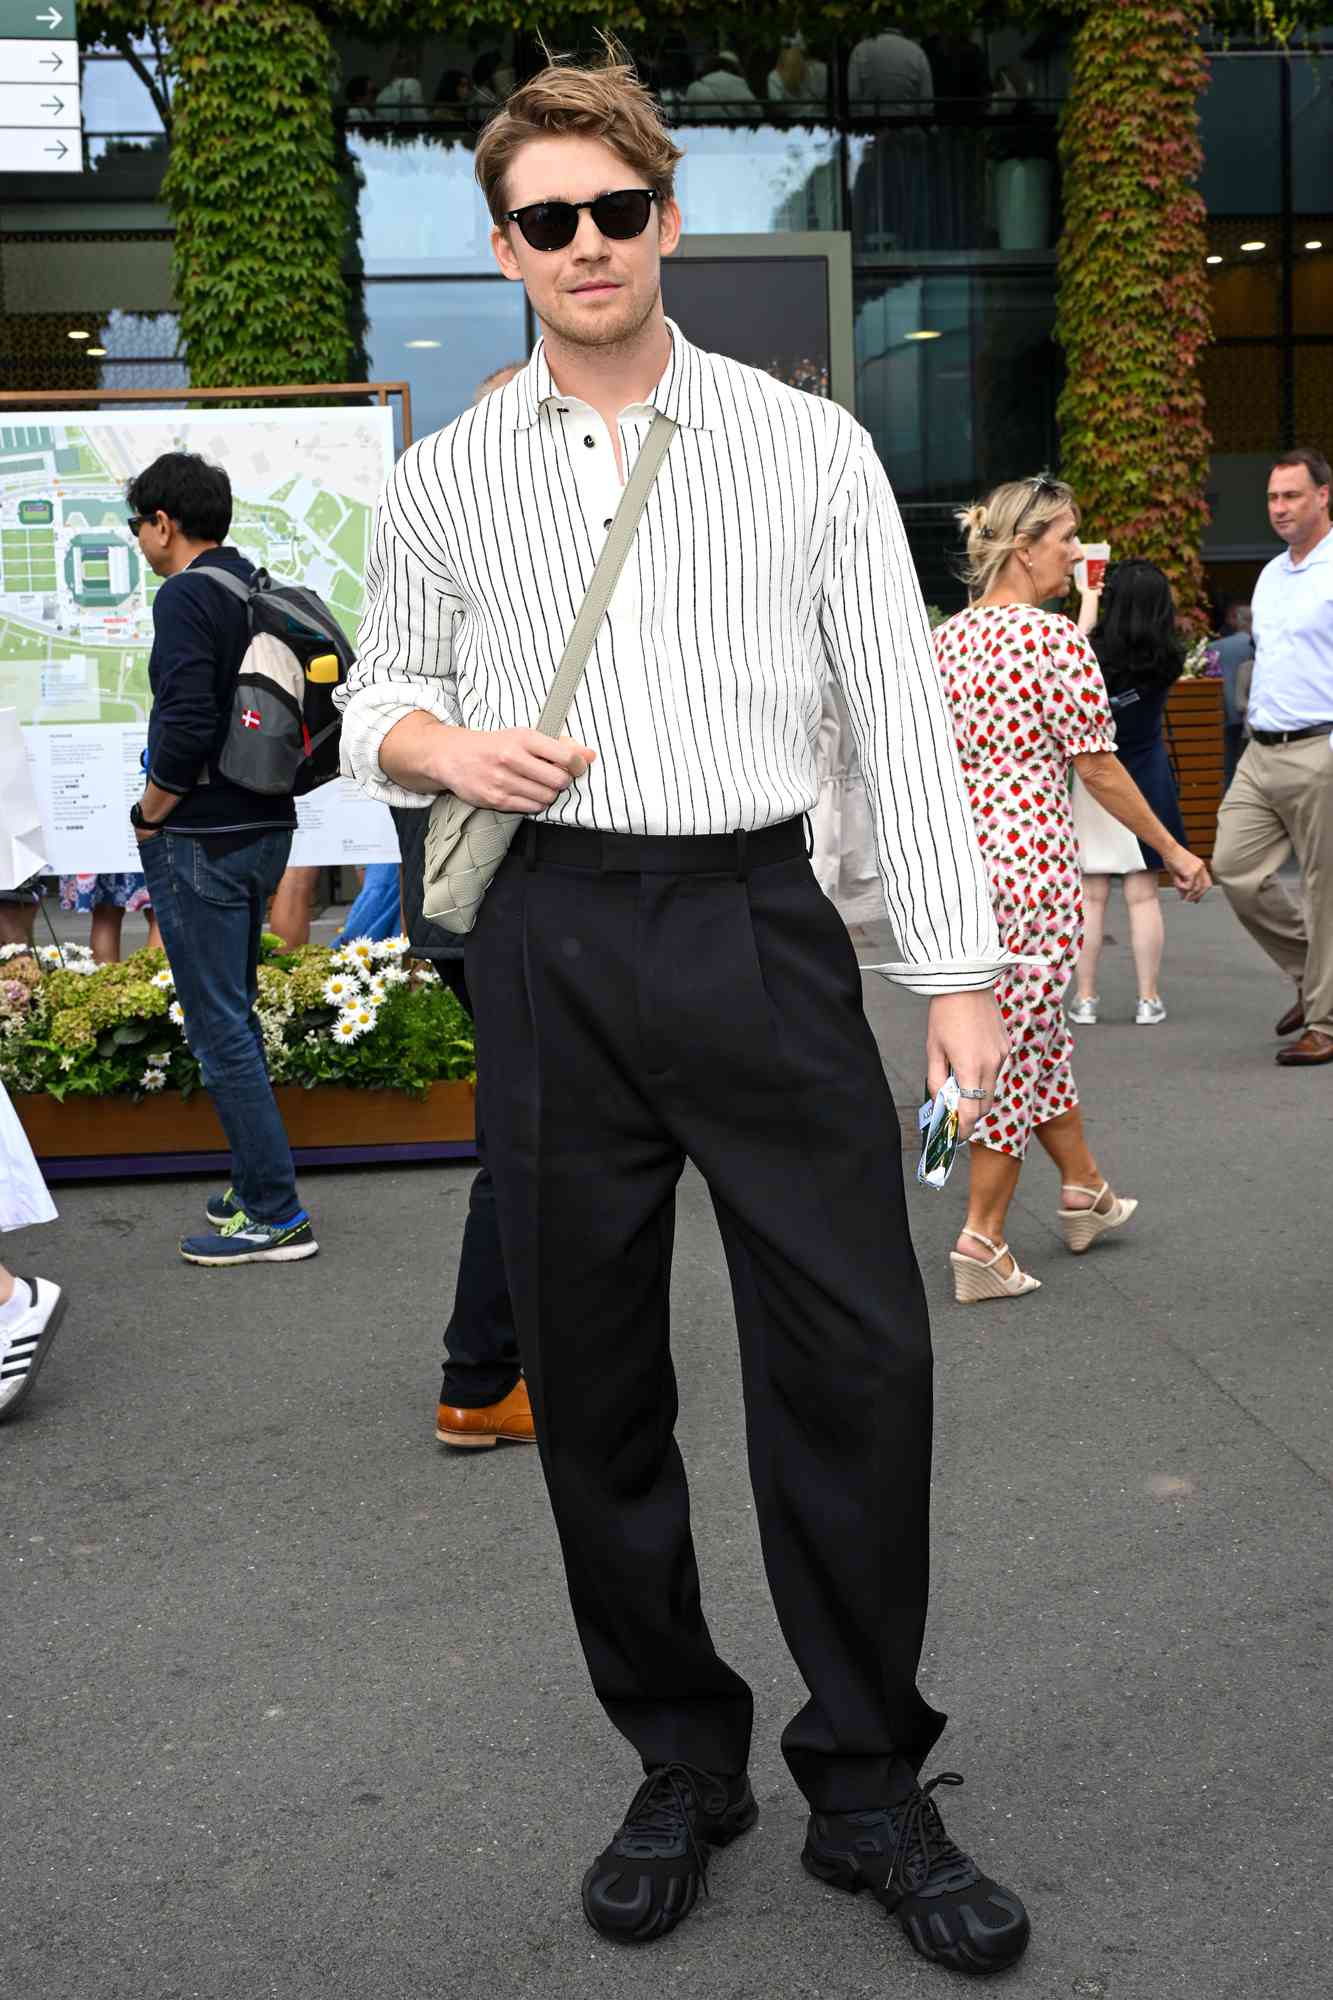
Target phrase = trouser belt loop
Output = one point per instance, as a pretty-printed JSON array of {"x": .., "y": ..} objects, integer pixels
[
  {"x": 809, "y": 826},
  {"x": 741, "y": 869}
]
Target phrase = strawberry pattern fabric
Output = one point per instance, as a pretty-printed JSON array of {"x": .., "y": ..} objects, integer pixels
[{"x": 1027, "y": 695}]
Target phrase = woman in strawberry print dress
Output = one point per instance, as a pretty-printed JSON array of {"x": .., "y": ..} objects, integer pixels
[{"x": 1028, "y": 700}]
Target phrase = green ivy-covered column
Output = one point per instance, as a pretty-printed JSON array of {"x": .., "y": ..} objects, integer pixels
[
  {"x": 253, "y": 192},
  {"x": 1132, "y": 311}
]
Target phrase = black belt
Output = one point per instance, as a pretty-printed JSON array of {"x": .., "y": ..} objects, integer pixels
[
  {"x": 1270, "y": 736},
  {"x": 661, "y": 853}
]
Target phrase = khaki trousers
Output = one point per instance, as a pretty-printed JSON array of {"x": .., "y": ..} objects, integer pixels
[{"x": 1281, "y": 802}]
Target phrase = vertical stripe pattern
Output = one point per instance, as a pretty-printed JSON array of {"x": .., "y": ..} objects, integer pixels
[{"x": 770, "y": 553}]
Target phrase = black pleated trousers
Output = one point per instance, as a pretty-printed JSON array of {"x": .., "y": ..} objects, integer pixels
[{"x": 644, "y": 1002}]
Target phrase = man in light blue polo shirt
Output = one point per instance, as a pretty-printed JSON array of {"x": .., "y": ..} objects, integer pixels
[{"x": 1281, "y": 798}]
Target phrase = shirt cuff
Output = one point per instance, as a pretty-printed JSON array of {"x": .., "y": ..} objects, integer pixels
[
  {"x": 958, "y": 975},
  {"x": 367, "y": 720}
]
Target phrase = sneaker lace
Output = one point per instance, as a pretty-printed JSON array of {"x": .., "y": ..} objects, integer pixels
[
  {"x": 235, "y": 1224},
  {"x": 923, "y": 1847},
  {"x": 663, "y": 1800}
]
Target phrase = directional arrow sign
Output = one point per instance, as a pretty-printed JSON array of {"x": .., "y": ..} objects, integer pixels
[
  {"x": 33, "y": 152},
  {"x": 24, "y": 104},
  {"x": 55, "y": 20},
  {"x": 39, "y": 62}
]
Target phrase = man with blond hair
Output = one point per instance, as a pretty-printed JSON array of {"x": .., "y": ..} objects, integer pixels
[{"x": 657, "y": 978}]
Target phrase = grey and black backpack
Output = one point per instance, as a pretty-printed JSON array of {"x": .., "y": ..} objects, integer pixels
[{"x": 283, "y": 733}]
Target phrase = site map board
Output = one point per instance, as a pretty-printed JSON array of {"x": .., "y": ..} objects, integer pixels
[{"x": 76, "y": 597}]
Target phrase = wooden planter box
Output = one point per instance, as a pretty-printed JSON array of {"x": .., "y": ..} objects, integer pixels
[
  {"x": 92, "y": 1137},
  {"x": 1194, "y": 736}
]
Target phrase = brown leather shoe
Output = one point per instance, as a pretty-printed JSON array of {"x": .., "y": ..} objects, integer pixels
[
  {"x": 1294, "y": 1018},
  {"x": 510, "y": 1419},
  {"x": 1314, "y": 1046}
]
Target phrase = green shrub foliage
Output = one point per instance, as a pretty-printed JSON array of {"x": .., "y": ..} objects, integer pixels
[{"x": 1132, "y": 311}]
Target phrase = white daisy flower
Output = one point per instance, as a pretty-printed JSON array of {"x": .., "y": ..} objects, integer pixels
[
  {"x": 338, "y": 989},
  {"x": 152, "y": 1079},
  {"x": 163, "y": 980},
  {"x": 392, "y": 947},
  {"x": 364, "y": 1015},
  {"x": 360, "y": 950},
  {"x": 393, "y": 975},
  {"x": 426, "y": 975},
  {"x": 160, "y": 1060},
  {"x": 176, "y": 1013},
  {"x": 345, "y": 1029},
  {"x": 377, "y": 990},
  {"x": 48, "y": 955}
]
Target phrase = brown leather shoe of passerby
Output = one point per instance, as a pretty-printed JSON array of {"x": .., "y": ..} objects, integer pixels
[
  {"x": 1294, "y": 1018},
  {"x": 1314, "y": 1046},
  {"x": 508, "y": 1421}
]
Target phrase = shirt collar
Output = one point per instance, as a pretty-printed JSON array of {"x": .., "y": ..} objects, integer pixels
[
  {"x": 1322, "y": 552},
  {"x": 686, "y": 392}
]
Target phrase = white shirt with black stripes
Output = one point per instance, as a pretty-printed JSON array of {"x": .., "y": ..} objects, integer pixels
[{"x": 770, "y": 553}]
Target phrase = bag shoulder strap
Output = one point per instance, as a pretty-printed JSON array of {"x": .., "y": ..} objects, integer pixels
[
  {"x": 616, "y": 547},
  {"x": 225, "y": 577}
]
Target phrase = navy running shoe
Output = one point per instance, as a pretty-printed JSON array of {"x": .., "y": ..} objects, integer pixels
[{"x": 242, "y": 1241}]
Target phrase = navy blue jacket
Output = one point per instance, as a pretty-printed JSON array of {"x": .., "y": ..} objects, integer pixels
[{"x": 200, "y": 634}]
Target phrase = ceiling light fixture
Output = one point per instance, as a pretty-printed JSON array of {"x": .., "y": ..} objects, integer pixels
[
  {"x": 1315, "y": 243},
  {"x": 1255, "y": 245},
  {"x": 423, "y": 343},
  {"x": 1214, "y": 259},
  {"x": 925, "y": 333},
  {"x": 77, "y": 333},
  {"x": 95, "y": 350}
]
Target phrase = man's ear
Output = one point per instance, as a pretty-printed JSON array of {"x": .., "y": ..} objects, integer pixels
[
  {"x": 669, "y": 225},
  {"x": 503, "y": 251}
]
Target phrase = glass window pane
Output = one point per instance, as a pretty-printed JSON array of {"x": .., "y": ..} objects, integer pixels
[
  {"x": 1312, "y": 278},
  {"x": 955, "y": 186},
  {"x": 1314, "y": 395},
  {"x": 1243, "y": 388},
  {"x": 1240, "y": 125},
  {"x": 956, "y": 378},
  {"x": 1312, "y": 134},
  {"x": 115, "y": 99},
  {"x": 442, "y": 339},
  {"x": 420, "y": 208},
  {"x": 751, "y": 180},
  {"x": 1245, "y": 282}
]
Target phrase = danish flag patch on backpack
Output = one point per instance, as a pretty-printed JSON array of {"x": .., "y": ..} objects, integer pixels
[{"x": 283, "y": 732}]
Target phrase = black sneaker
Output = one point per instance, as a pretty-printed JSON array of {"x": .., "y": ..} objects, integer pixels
[
  {"x": 220, "y": 1208},
  {"x": 649, "y": 1878},
  {"x": 951, "y": 1912}
]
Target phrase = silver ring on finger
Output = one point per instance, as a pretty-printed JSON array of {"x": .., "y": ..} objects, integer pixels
[{"x": 978, "y": 1095}]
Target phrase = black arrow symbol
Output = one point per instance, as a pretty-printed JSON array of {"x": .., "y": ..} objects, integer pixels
[
  {"x": 54, "y": 104},
  {"x": 52, "y": 62},
  {"x": 59, "y": 151}
]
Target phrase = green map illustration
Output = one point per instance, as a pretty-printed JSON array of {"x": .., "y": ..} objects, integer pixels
[{"x": 76, "y": 596}]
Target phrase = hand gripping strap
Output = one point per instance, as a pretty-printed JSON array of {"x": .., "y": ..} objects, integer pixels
[{"x": 465, "y": 844}]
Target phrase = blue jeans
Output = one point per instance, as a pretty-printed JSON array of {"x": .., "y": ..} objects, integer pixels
[
  {"x": 376, "y": 912},
  {"x": 210, "y": 908}
]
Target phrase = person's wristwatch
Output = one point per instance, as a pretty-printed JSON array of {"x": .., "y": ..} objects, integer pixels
[{"x": 137, "y": 819}]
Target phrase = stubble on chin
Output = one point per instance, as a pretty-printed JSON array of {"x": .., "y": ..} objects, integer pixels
[{"x": 618, "y": 329}]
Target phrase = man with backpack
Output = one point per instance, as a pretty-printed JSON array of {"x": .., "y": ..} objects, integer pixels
[{"x": 213, "y": 849}]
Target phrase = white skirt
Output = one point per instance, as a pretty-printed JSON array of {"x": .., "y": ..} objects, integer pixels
[
  {"x": 23, "y": 1196},
  {"x": 1105, "y": 847}
]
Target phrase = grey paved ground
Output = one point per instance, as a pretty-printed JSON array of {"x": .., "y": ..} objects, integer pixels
[{"x": 292, "y": 1702}]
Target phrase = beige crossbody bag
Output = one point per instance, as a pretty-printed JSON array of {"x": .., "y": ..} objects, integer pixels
[{"x": 465, "y": 844}]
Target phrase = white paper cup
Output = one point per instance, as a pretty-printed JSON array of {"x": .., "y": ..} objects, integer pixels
[{"x": 1090, "y": 572}]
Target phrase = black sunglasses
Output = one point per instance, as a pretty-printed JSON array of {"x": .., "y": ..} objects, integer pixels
[
  {"x": 135, "y": 522},
  {"x": 553, "y": 225}
]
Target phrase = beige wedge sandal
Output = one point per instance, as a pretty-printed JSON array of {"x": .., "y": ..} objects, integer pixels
[
  {"x": 974, "y": 1281},
  {"x": 1082, "y": 1226}
]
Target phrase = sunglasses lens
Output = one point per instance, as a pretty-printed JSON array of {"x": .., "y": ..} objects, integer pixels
[
  {"x": 621, "y": 216},
  {"x": 549, "y": 225}
]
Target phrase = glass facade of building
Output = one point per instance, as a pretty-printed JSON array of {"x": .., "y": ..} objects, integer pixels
[{"x": 937, "y": 157}]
